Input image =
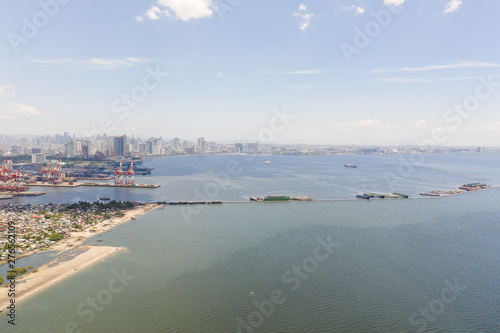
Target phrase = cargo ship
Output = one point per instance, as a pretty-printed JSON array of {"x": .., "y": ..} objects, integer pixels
[
  {"x": 256, "y": 198},
  {"x": 301, "y": 198},
  {"x": 375, "y": 195},
  {"x": 349, "y": 165},
  {"x": 277, "y": 198}
]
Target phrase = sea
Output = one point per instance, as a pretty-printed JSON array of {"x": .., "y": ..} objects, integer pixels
[{"x": 338, "y": 265}]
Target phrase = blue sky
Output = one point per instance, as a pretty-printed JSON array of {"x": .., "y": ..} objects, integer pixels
[{"x": 350, "y": 71}]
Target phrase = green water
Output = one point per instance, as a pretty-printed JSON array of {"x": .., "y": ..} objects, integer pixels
[{"x": 391, "y": 260}]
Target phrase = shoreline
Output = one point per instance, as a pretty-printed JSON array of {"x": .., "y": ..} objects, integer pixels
[
  {"x": 53, "y": 272},
  {"x": 78, "y": 238}
]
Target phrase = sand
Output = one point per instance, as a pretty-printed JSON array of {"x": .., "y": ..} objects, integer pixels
[
  {"x": 61, "y": 268},
  {"x": 53, "y": 272},
  {"x": 78, "y": 238}
]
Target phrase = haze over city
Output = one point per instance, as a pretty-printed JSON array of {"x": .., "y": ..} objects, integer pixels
[{"x": 351, "y": 72}]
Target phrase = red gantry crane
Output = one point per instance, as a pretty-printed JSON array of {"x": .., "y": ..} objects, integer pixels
[
  {"x": 129, "y": 175},
  {"x": 119, "y": 175},
  {"x": 11, "y": 181}
]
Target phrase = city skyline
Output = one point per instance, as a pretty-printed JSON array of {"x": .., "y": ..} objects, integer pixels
[{"x": 385, "y": 72}]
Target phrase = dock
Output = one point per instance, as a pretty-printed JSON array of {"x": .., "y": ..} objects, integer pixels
[
  {"x": 11, "y": 195},
  {"x": 76, "y": 184}
]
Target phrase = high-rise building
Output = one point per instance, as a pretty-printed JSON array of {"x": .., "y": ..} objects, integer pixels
[
  {"x": 119, "y": 144},
  {"x": 38, "y": 158},
  {"x": 201, "y": 146},
  {"x": 69, "y": 149},
  {"x": 177, "y": 144}
]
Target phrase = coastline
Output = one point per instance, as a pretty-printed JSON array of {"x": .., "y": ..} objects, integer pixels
[
  {"x": 78, "y": 238},
  {"x": 53, "y": 272}
]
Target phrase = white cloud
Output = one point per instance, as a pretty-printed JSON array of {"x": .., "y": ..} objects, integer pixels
[
  {"x": 218, "y": 74},
  {"x": 437, "y": 67},
  {"x": 452, "y": 6},
  {"x": 15, "y": 109},
  {"x": 394, "y": 2},
  {"x": 424, "y": 79},
  {"x": 186, "y": 10},
  {"x": 357, "y": 9},
  {"x": 492, "y": 127},
  {"x": 94, "y": 63},
  {"x": 5, "y": 90},
  {"x": 306, "y": 72},
  {"x": 304, "y": 19},
  {"x": 153, "y": 12},
  {"x": 139, "y": 18}
]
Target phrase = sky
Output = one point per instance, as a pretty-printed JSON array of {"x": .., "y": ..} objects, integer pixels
[{"x": 368, "y": 72}]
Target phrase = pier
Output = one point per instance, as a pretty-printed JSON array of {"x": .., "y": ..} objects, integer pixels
[{"x": 76, "y": 184}]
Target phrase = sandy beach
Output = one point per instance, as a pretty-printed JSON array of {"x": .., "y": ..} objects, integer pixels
[
  {"x": 71, "y": 262},
  {"x": 77, "y": 238},
  {"x": 53, "y": 272}
]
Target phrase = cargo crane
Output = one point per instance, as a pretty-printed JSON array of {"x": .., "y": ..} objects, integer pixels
[
  {"x": 46, "y": 175},
  {"x": 129, "y": 175},
  {"x": 119, "y": 175},
  {"x": 57, "y": 174},
  {"x": 18, "y": 182},
  {"x": 11, "y": 181}
]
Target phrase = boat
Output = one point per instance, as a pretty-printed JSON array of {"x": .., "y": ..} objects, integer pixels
[
  {"x": 277, "y": 198},
  {"x": 349, "y": 165},
  {"x": 375, "y": 195},
  {"x": 401, "y": 195},
  {"x": 104, "y": 198},
  {"x": 256, "y": 198},
  {"x": 430, "y": 194},
  {"x": 301, "y": 198},
  {"x": 362, "y": 196},
  {"x": 267, "y": 162}
]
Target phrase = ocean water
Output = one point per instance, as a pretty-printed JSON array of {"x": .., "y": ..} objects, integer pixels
[
  {"x": 237, "y": 177},
  {"x": 427, "y": 265}
]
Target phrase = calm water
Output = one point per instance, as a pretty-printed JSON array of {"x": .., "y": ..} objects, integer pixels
[{"x": 397, "y": 265}]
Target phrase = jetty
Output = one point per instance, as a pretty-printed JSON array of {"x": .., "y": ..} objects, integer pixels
[{"x": 77, "y": 184}]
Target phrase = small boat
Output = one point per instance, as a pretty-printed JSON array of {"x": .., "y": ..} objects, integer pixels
[
  {"x": 349, "y": 165},
  {"x": 362, "y": 196},
  {"x": 267, "y": 162},
  {"x": 256, "y": 198},
  {"x": 104, "y": 198}
]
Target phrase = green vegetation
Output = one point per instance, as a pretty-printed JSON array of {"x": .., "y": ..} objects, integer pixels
[
  {"x": 17, "y": 271},
  {"x": 99, "y": 206},
  {"x": 56, "y": 237},
  {"x": 1, "y": 280}
]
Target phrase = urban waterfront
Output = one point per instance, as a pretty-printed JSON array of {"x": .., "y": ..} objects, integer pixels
[{"x": 257, "y": 267}]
